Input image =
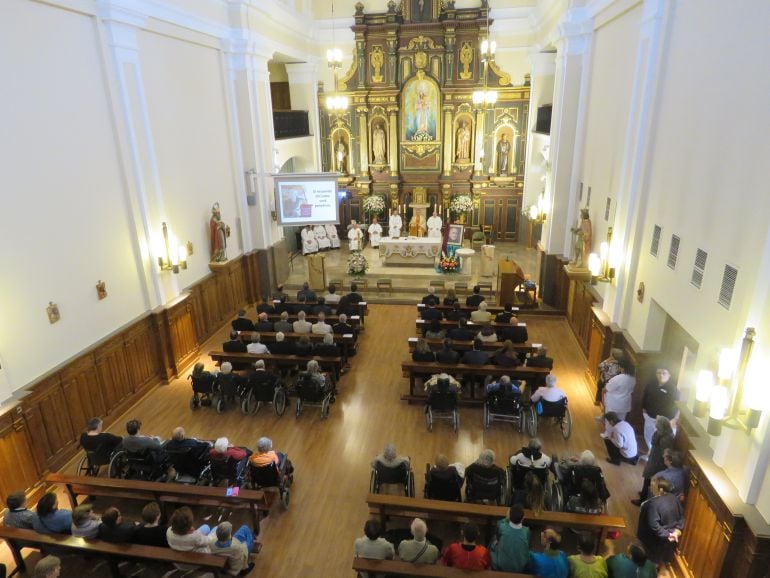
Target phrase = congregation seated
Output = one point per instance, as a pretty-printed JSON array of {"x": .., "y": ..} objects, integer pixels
[
  {"x": 320, "y": 326},
  {"x": 234, "y": 345},
  {"x": 265, "y": 455},
  {"x": 85, "y": 522},
  {"x": 260, "y": 377},
  {"x": 529, "y": 493},
  {"x": 354, "y": 296},
  {"x": 17, "y": 515},
  {"x": 446, "y": 354},
  {"x": 451, "y": 298},
  {"x": 300, "y": 325},
  {"x": 484, "y": 480},
  {"x": 301, "y": 306},
  {"x": 418, "y": 550},
  {"x": 504, "y": 387},
  {"x": 634, "y": 563},
  {"x": 179, "y": 442},
  {"x": 263, "y": 323},
  {"x": 151, "y": 532},
  {"x": 507, "y": 356},
  {"x": 443, "y": 481},
  {"x": 242, "y": 323},
  {"x": 506, "y": 315},
  {"x": 256, "y": 345},
  {"x": 431, "y": 297},
  {"x": 422, "y": 352},
  {"x": 372, "y": 545},
  {"x": 434, "y": 330},
  {"x": 587, "y": 500},
  {"x": 430, "y": 313},
  {"x": 306, "y": 293},
  {"x": 281, "y": 346},
  {"x": 585, "y": 562},
  {"x": 389, "y": 458},
  {"x": 342, "y": 326},
  {"x": 481, "y": 315},
  {"x": 279, "y": 294},
  {"x": 223, "y": 450},
  {"x": 549, "y": 392},
  {"x": 48, "y": 567},
  {"x": 303, "y": 347},
  {"x": 541, "y": 359},
  {"x": 531, "y": 456},
  {"x": 236, "y": 547},
  {"x": 327, "y": 348},
  {"x": 440, "y": 379},
  {"x": 513, "y": 332},
  {"x": 49, "y": 519},
  {"x": 114, "y": 528},
  {"x": 321, "y": 307},
  {"x": 487, "y": 334},
  {"x": 332, "y": 297},
  {"x": 466, "y": 554},
  {"x": 265, "y": 306},
  {"x": 461, "y": 332},
  {"x": 135, "y": 442},
  {"x": 551, "y": 562},
  {"x": 456, "y": 313},
  {"x": 182, "y": 536},
  {"x": 475, "y": 356},
  {"x": 474, "y": 299},
  {"x": 98, "y": 442},
  {"x": 313, "y": 375},
  {"x": 284, "y": 325},
  {"x": 510, "y": 547}
]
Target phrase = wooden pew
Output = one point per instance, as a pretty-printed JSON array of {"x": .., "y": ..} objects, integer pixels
[
  {"x": 436, "y": 344},
  {"x": 387, "y": 506},
  {"x": 362, "y": 306},
  {"x": 18, "y": 538},
  {"x": 519, "y": 311},
  {"x": 167, "y": 495},
  {"x": 332, "y": 364},
  {"x": 354, "y": 320},
  {"x": 421, "y": 325},
  {"x": 400, "y": 568},
  {"x": 420, "y": 369},
  {"x": 346, "y": 341}
]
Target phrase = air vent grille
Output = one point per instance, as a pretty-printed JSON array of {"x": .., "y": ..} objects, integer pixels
[
  {"x": 699, "y": 268},
  {"x": 729, "y": 278},
  {"x": 673, "y": 252},
  {"x": 655, "y": 241}
]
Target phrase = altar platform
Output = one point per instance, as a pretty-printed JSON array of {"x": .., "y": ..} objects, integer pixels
[{"x": 410, "y": 251}]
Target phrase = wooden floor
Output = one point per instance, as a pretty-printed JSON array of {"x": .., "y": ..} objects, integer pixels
[{"x": 315, "y": 536}]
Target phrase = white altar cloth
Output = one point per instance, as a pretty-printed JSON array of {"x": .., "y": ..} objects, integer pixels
[{"x": 410, "y": 250}]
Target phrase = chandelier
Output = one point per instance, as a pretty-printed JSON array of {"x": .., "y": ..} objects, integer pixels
[
  {"x": 335, "y": 101},
  {"x": 484, "y": 98}
]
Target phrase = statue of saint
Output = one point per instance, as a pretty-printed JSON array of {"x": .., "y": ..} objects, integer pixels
[
  {"x": 219, "y": 232},
  {"x": 582, "y": 239},
  {"x": 378, "y": 145},
  {"x": 466, "y": 57},
  {"x": 341, "y": 156},
  {"x": 503, "y": 152},
  {"x": 463, "y": 142},
  {"x": 377, "y": 59}
]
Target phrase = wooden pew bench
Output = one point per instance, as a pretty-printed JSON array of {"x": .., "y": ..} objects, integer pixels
[
  {"x": 17, "y": 539},
  {"x": 415, "y": 370},
  {"x": 331, "y": 364},
  {"x": 436, "y": 344},
  {"x": 421, "y": 326},
  {"x": 387, "y": 506},
  {"x": 362, "y": 306},
  {"x": 354, "y": 320},
  {"x": 345, "y": 341},
  {"x": 168, "y": 495},
  {"x": 400, "y": 568}
]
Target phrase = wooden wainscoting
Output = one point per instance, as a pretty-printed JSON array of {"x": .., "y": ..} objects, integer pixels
[{"x": 20, "y": 471}]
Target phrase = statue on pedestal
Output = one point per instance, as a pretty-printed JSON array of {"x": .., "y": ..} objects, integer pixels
[
  {"x": 503, "y": 152},
  {"x": 463, "y": 142},
  {"x": 582, "y": 238},
  {"x": 378, "y": 145},
  {"x": 341, "y": 156},
  {"x": 219, "y": 231}
]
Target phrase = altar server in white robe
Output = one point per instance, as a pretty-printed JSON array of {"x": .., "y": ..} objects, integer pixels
[
  {"x": 356, "y": 237},
  {"x": 320, "y": 236},
  {"x": 434, "y": 226},
  {"x": 309, "y": 243},
  {"x": 394, "y": 225},
  {"x": 375, "y": 232},
  {"x": 331, "y": 232}
]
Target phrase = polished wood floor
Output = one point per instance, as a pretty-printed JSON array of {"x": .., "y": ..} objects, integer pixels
[{"x": 327, "y": 512}]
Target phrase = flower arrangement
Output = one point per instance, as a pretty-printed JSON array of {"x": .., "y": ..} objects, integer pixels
[
  {"x": 449, "y": 264},
  {"x": 357, "y": 264},
  {"x": 461, "y": 204},
  {"x": 374, "y": 204}
]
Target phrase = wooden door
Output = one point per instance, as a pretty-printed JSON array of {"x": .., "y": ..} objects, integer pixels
[
  {"x": 502, "y": 214},
  {"x": 351, "y": 208}
]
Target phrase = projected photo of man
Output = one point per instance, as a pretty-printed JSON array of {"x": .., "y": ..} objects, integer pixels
[{"x": 292, "y": 199}]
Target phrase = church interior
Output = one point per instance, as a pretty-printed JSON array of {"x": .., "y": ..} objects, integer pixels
[{"x": 560, "y": 155}]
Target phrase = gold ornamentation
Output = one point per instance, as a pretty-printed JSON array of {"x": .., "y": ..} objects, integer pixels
[
  {"x": 505, "y": 78},
  {"x": 422, "y": 149},
  {"x": 421, "y": 61},
  {"x": 377, "y": 59},
  {"x": 466, "y": 58},
  {"x": 423, "y": 42},
  {"x": 420, "y": 195},
  {"x": 343, "y": 83}
]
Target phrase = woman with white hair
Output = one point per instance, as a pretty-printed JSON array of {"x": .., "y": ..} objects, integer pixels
[
  {"x": 314, "y": 373},
  {"x": 549, "y": 392},
  {"x": 481, "y": 315},
  {"x": 418, "y": 550},
  {"x": 483, "y": 468},
  {"x": 531, "y": 456},
  {"x": 390, "y": 458},
  {"x": 223, "y": 450}
]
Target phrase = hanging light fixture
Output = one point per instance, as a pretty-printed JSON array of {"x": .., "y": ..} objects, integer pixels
[
  {"x": 485, "y": 98},
  {"x": 171, "y": 255},
  {"x": 335, "y": 101}
]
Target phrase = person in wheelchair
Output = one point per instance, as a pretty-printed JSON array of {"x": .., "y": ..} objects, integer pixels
[
  {"x": 97, "y": 443},
  {"x": 265, "y": 455},
  {"x": 389, "y": 458},
  {"x": 315, "y": 376},
  {"x": 202, "y": 384},
  {"x": 549, "y": 392},
  {"x": 531, "y": 456},
  {"x": 504, "y": 387},
  {"x": 136, "y": 443},
  {"x": 179, "y": 442},
  {"x": 484, "y": 480},
  {"x": 443, "y": 481},
  {"x": 228, "y": 462},
  {"x": 260, "y": 376},
  {"x": 432, "y": 384},
  {"x": 229, "y": 384},
  {"x": 587, "y": 500},
  {"x": 188, "y": 456}
]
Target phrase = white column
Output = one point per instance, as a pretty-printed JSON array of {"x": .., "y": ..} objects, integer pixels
[
  {"x": 540, "y": 93},
  {"x": 303, "y": 88},
  {"x": 132, "y": 120},
  {"x": 570, "y": 81}
]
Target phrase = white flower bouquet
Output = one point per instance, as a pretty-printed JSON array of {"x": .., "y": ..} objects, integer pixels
[{"x": 461, "y": 204}]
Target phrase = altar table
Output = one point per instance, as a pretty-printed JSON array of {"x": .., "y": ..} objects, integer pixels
[{"x": 410, "y": 250}]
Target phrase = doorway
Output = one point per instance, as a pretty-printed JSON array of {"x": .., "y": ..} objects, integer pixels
[{"x": 502, "y": 215}]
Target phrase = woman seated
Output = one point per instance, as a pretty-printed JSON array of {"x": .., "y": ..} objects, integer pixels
[
  {"x": 487, "y": 334},
  {"x": 507, "y": 356},
  {"x": 451, "y": 297},
  {"x": 182, "y": 536},
  {"x": 455, "y": 313},
  {"x": 50, "y": 519},
  {"x": 441, "y": 378},
  {"x": 422, "y": 352},
  {"x": 531, "y": 495},
  {"x": 315, "y": 375},
  {"x": 303, "y": 347},
  {"x": 434, "y": 330},
  {"x": 587, "y": 500}
]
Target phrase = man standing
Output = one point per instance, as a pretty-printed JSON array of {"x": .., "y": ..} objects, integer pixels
[
  {"x": 618, "y": 393},
  {"x": 355, "y": 236},
  {"x": 375, "y": 232},
  {"x": 434, "y": 226},
  {"x": 394, "y": 225},
  {"x": 660, "y": 397}
]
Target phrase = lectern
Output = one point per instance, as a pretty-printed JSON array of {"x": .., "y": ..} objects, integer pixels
[
  {"x": 316, "y": 269},
  {"x": 507, "y": 281}
]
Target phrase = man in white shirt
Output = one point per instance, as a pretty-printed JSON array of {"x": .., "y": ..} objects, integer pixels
[
  {"x": 255, "y": 346},
  {"x": 320, "y": 235},
  {"x": 300, "y": 325},
  {"x": 309, "y": 243},
  {"x": 332, "y": 297},
  {"x": 394, "y": 225},
  {"x": 550, "y": 392},
  {"x": 620, "y": 439},
  {"x": 375, "y": 232},
  {"x": 321, "y": 326},
  {"x": 355, "y": 236},
  {"x": 618, "y": 394},
  {"x": 434, "y": 226}
]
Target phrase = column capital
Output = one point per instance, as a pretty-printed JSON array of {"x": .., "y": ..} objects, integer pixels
[
  {"x": 122, "y": 25},
  {"x": 572, "y": 35},
  {"x": 543, "y": 63},
  {"x": 302, "y": 72}
]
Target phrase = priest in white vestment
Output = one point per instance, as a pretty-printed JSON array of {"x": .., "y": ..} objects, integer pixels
[
  {"x": 309, "y": 243},
  {"x": 375, "y": 232},
  {"x": 334, "y": 239},
  {"x": 434, "y": 226},
  {"x": 320, "y": 236},
  {"x": 356, "y": 237},
  {"x": 394, "y": 225}
]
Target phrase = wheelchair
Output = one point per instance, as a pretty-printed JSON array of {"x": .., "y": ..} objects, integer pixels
[
  {"x": 574, "y": 478},
  {"x": 308, "y": 392},
  {"x": 92, "y": 463},
  {"x": 191, "y": 469},
  {"x": 443, "y": 485},
  {"x": 442, "y": 404},
  {"x": 273, "y": 476},
  {"x": 487, "y": 485},
  {"x": 501, "y": 407},
  {"x": 260, "y": 392},
  {"x": 230, "y": 387},
  {"x": 552, "y": 490},
  {"x": 558, "y": 411},
  {"x": 401, "y": 474},
  {"x": 203, "y": 390},
  {"x": 147, "y": 465},
  {"x": 231, "y": 470}
]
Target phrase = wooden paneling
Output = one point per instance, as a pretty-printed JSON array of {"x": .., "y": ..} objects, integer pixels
[
  {"x": 181, "y": 328},
  {"x": 19, "y": 470},
  {"x": 46, "y": 413},
  {"x": 579, "y": 311},
  {"x": 81, "y": 387},
  {"x": 141, "y": 348}
]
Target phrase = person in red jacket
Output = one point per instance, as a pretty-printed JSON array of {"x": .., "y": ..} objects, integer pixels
[{"x": 466, "y": 554}]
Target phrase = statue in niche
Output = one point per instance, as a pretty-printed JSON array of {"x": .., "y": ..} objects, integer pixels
[
  {"x": 379, "y": 147},
  {"x": 466, "y": 58},
  {"x": 503, "y": 153},
  {"x": 341, "y": 156},
  {"x": 377, "y": 59},
  {"x": 219, "y": 231},
  {"x": 582, "y": 239},
  {"x": 463, "y": 142}
]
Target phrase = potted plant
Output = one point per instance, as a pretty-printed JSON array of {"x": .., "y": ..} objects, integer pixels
[{"x": 357, "y": 265}]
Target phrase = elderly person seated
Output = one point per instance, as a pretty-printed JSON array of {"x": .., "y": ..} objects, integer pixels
[
  {"x": 372, "y": 545},
  {"x": 446, "y": 472},
  {"x": 434, "y": 330},
  {"x": 235, "y": 345},
  {"x": 179, "y": 442},
  {"x": 434, "y": 380},
  {"x": 321, "y": 326},
  {"x": 587, "y": 500},
  {"x": 422, "y": 352},
  {"x": 256, "y": 346},
  {"x": 300, "y": 325},
  {"x": 313, "y": 372},
  {"x": 263, "y": 323},
  {"x": 242, "y": 323},
  {"x": 549, "y": 392},
  {"x": 446, "y": 354},
  {"x": 565, "y": 465},
  {"x": 48, "y": 567},
  {"x": 265, "y": 454},
  {"x": 507, "y": 356},
  {"x": 332, "y": 297},
  {"x": 505, "y": 386},
  {"x": 303, "y": 347},
  {"x": 96, "y": 440},
  {"x": 390, "y": 458},
  {"x": 531, "y": 494},
  {"x": 224, "y": 450},
  {"x": 481, "y": 315},
  {"x": 342, "y": 326},
  {"x": 506, "y": 315},
  {"x": 321, "y": 307},
  {"x": 484, "y": 468},
  {"x": 531, "y": 456},
  {"x": 541, "y": 359},
  {"x": 281, "y": 346},
  {"x": 430, "y": 297},
  {"x": 134, "y": 442},
  {"x": 418, "y": 550},
  {"x": 327, "y": 348},
  {"x": 487, "y": 334},
  {"x": 284, "y": 324},
  {"x": 235, "y": 547}
]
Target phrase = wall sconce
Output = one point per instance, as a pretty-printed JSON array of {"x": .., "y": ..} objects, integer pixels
[
  {"x": 172, "y": 256},
  {"x": 594, "y": 266},
  {"x": 608, "y": 273},
  {"x": 723, "y": 398}
]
